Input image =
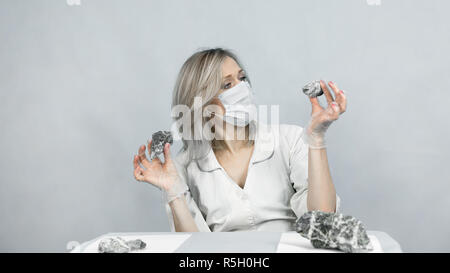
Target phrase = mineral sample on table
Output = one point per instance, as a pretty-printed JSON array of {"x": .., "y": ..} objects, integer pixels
[
  {"x": 334, "y": 231},
  {"x": 119, "y": 245},
  {"x": 159, "y": 139},
  {"x": 313, "y": 89},
  {"x": 136, "y": 244}
]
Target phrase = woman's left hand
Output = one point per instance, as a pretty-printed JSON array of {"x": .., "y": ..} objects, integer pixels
[{"x": 321, "y": 118}]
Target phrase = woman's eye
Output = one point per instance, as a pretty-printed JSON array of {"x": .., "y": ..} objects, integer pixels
[{"x": 228, "y": 85}]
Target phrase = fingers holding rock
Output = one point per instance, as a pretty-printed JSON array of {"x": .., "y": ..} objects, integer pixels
[
  {"x": 340, "y": 97},
  {"x": 327, "y": 92},
  {"x": 138, "y": 172},
  {"x": 316, "y": 107},
  {"x": 142, "y": 157},
  {"x": 342, "y": 101},
  {"x": 334, "y": 88},
  {"x": 167, "y": 156},
  {"x": 335, "y": 111},
  {"x": 149, "y": 147}
]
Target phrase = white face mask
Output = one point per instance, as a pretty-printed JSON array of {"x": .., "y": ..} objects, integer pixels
[{"x": 238, "y": 102}]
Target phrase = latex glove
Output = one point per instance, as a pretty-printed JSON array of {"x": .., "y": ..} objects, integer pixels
[
  {"x": 321, "y": 118},
  {"x": 162, "y": 175}
]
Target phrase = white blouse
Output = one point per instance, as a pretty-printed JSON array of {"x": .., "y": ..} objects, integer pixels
[{"x": 274, "y": 193}]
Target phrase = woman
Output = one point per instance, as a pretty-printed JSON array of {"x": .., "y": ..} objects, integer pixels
[{"x": 261, "y": 182}]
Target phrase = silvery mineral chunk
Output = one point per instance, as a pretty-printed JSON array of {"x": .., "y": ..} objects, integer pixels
[
  {"x": 334, "y": 230},
  {"x": 136, "y": 244},
  {"x": 119, "y": 245},
  {"x": 313, "y": 89},
  {"x": 159, "y": 139}
]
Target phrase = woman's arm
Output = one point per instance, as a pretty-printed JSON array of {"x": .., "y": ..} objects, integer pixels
[
  {"x": 165, "y": 176},
  {"x": 182, "y": 217},
  {"x": 321, "y": 191}
]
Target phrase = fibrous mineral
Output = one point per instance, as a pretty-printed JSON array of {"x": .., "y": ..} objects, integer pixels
[
  {"x": 159, "y": 139},
  {"x": 119, "y": 245},
  {"x": 313, "y": 89},
  {"x": 334, "y": 231}
]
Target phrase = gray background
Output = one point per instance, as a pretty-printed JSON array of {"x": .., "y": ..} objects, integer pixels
[{"x": 81, "y": 87}]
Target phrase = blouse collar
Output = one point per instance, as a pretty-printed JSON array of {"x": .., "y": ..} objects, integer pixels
[{"x": 263, "y": 150}]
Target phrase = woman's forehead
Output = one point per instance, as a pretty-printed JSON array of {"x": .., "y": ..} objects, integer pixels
[{"x": 230, "y": 68}]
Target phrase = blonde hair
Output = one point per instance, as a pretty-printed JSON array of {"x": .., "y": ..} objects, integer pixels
[{"x": 201, "y": 76}]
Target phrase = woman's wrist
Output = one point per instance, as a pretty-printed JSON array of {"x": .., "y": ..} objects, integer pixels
[
  {"x": 174, "y": 190},
  {"x": 314, "y": 140}
]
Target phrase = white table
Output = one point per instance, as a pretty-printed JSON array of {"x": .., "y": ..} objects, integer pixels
[{"x": 231, "y": 242}]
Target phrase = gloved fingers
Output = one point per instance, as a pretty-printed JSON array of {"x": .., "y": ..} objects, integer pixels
[
  {"x": 138, "y": 172},
  {"x": 332, "y": 112},
  {"x": 329, "y": 113},
  {"x": 327, "y": 92},
  {"x": 340, "y": 97},
  {"x": 336, "y": 109},
  {"x": 342, "y": 100},
  {"x": 167, "y": 156},
  {"x": 334, "y": 88},
  {"x": 142, "y": 158},
  {"x": 316, "y": 107},
  {"x": 149, "y": 147}
]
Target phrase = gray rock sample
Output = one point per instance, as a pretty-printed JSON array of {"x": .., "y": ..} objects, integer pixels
[
  {"x": 136, "y": 244},
  {"x": 313, "y": 89},
  {"x": 159, "y": 139},
  {"x": 334, "y": 231},
  {"x": 119, "y": 245}
]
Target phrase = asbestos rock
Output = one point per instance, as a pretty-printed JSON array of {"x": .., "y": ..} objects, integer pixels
[
  {"x": 136, "y": 244},
  {"x": 334, "y": 230},
  {"x": 159, "y": 139},
  {"x": 119, "y": 245},
  {"x": 313, "y": 89}
]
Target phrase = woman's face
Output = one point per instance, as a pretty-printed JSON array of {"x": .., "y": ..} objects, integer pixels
[{"x": 232, "y": 74}]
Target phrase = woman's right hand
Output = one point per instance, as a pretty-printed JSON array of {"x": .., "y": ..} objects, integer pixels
[
  {"x": 162, "y": 175},
  {"x": 321, "y": 118}
]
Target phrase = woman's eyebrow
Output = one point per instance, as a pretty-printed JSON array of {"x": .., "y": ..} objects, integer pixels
[{"x": 232, "y": 75}]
